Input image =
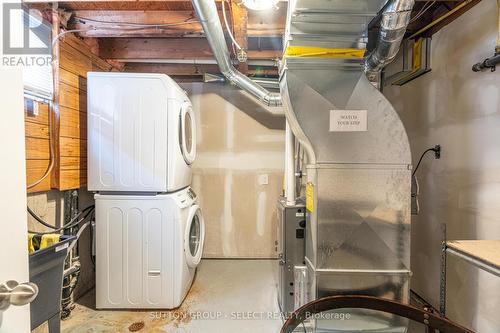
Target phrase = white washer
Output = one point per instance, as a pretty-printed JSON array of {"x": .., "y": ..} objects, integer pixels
[
  {"x": 141, "y": 133},
  {"x": 147, "y": 249}
]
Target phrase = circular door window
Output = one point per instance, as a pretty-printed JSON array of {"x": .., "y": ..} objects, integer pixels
[
  {"x": 187, "y": 133},
  {"x": 195, "y": 237}
]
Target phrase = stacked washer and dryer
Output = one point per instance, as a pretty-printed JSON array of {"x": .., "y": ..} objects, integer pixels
[{"x": 149, "y": 228}]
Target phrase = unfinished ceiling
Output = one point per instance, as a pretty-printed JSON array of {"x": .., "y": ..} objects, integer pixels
[{"x": 166, "y": 36}]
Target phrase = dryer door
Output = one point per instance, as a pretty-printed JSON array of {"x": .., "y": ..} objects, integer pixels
[
  {"x": 194, "y": 237},
  {"x": 187, "y": 135}
]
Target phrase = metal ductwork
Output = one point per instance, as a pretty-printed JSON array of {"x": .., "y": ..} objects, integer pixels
[
  {"x": 395, "y": 19},
  {"x": 359, "y": 174},
  {"x": 207, "y": 14}
]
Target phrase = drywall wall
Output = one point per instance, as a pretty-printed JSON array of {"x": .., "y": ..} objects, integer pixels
[
  {"x": 238, "y": 173},
  {"x": 460, "y": 110}
]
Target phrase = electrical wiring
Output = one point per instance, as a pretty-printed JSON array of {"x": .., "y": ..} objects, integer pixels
[
  {"x": 437, "y": 152},
  {"x": 441, "y": 18},
  {"x": 71, "y": 224},
  {"x": 228, "y": 28},
  {"x": 61, "y": 34},
  {"x": 146, "y": 25},
  {"x": 52, "y": 157},
  {"x": 41, "y": 221},
  {"x": 423, "y": 10}
]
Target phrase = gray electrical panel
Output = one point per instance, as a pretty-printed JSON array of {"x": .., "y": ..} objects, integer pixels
[{"x": 290, "y": 247}]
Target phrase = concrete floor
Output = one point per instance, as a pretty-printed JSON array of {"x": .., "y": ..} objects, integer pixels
[{"x": 227, "y": 296}]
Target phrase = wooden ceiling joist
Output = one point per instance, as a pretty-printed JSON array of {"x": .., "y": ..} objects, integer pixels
[
  {"x": 120, "y": 5},
  {"x": 192, "y": 70},
  {"x": 178, "y": 23},
  {"x": 124, "y": 32},
  {"x": 166, "y": 48},
  {"x": 103, "y": 23}
]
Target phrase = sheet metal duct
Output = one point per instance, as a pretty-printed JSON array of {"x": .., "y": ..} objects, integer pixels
[
  {"x": 395, "y": 19},
  {"x": 359, "y": 176},
  {"x": 208, "y": 15}
]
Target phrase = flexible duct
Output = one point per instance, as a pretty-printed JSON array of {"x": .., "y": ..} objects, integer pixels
[
  {"x": 207, "y": 14},
  {"x": 395, "y": 19}
]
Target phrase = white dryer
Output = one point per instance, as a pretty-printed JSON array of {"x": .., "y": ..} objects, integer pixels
[
  {"x": 147, "y": 249},
  {"x": 141, "y": 133}
]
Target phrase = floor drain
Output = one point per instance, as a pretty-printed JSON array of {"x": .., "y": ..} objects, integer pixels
[{"x": 136, "y": 326}]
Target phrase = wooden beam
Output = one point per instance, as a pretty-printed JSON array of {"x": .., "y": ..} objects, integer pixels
[
  {"x": 119, "y": 5},
  {"x": 272, "y": 24},
  {"x": 166, "y": 48},
  {"x": 190, "y": 70},
  {"x": 183, "y": 23},
  {"x": 450, "y": 18},
  {"x": 267, "y": 24}
]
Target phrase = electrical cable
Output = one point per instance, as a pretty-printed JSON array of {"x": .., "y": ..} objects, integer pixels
[
  {"x": 70, "y": 225},
  {"x": 436, "y": 150},
  {"x": 51, "y": 141},
  {"x": 441, "y": 18},
  {"x": 423, "y": 10},
  {"x": 61, "y": 34},
  {"x": 52, "y": 158},
  {"x": 228, "y": 29},
  {"x": 132, "y": 24},
  {"x": 41, "y": 221}
]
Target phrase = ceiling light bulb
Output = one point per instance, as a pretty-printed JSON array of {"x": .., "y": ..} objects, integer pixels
[{"x": 260, "y": 4}]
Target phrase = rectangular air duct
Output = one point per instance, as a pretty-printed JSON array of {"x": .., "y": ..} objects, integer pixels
[{"x": 359, "y": 176}]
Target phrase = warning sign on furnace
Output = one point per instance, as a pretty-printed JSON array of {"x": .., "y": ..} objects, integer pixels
[{"x": 348, "y": 121}]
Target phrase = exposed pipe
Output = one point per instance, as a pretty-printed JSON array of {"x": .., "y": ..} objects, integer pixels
[
  {"x": 208, "y": 15},
  {"x": 395, "y": 18},
  {"x": 264, "y": 82},
  {"x": 289, "y": 166},
  {"x": 491, "y": 63}
]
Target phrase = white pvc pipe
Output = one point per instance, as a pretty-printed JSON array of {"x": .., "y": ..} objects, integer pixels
[{"x": 289, "y": 166}]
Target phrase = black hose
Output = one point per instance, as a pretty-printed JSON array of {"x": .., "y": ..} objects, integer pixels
[
  {"x": 42, "y": 222},
  {"x": 72, "y": 224},
  {"x": 39, "y": 219}
]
